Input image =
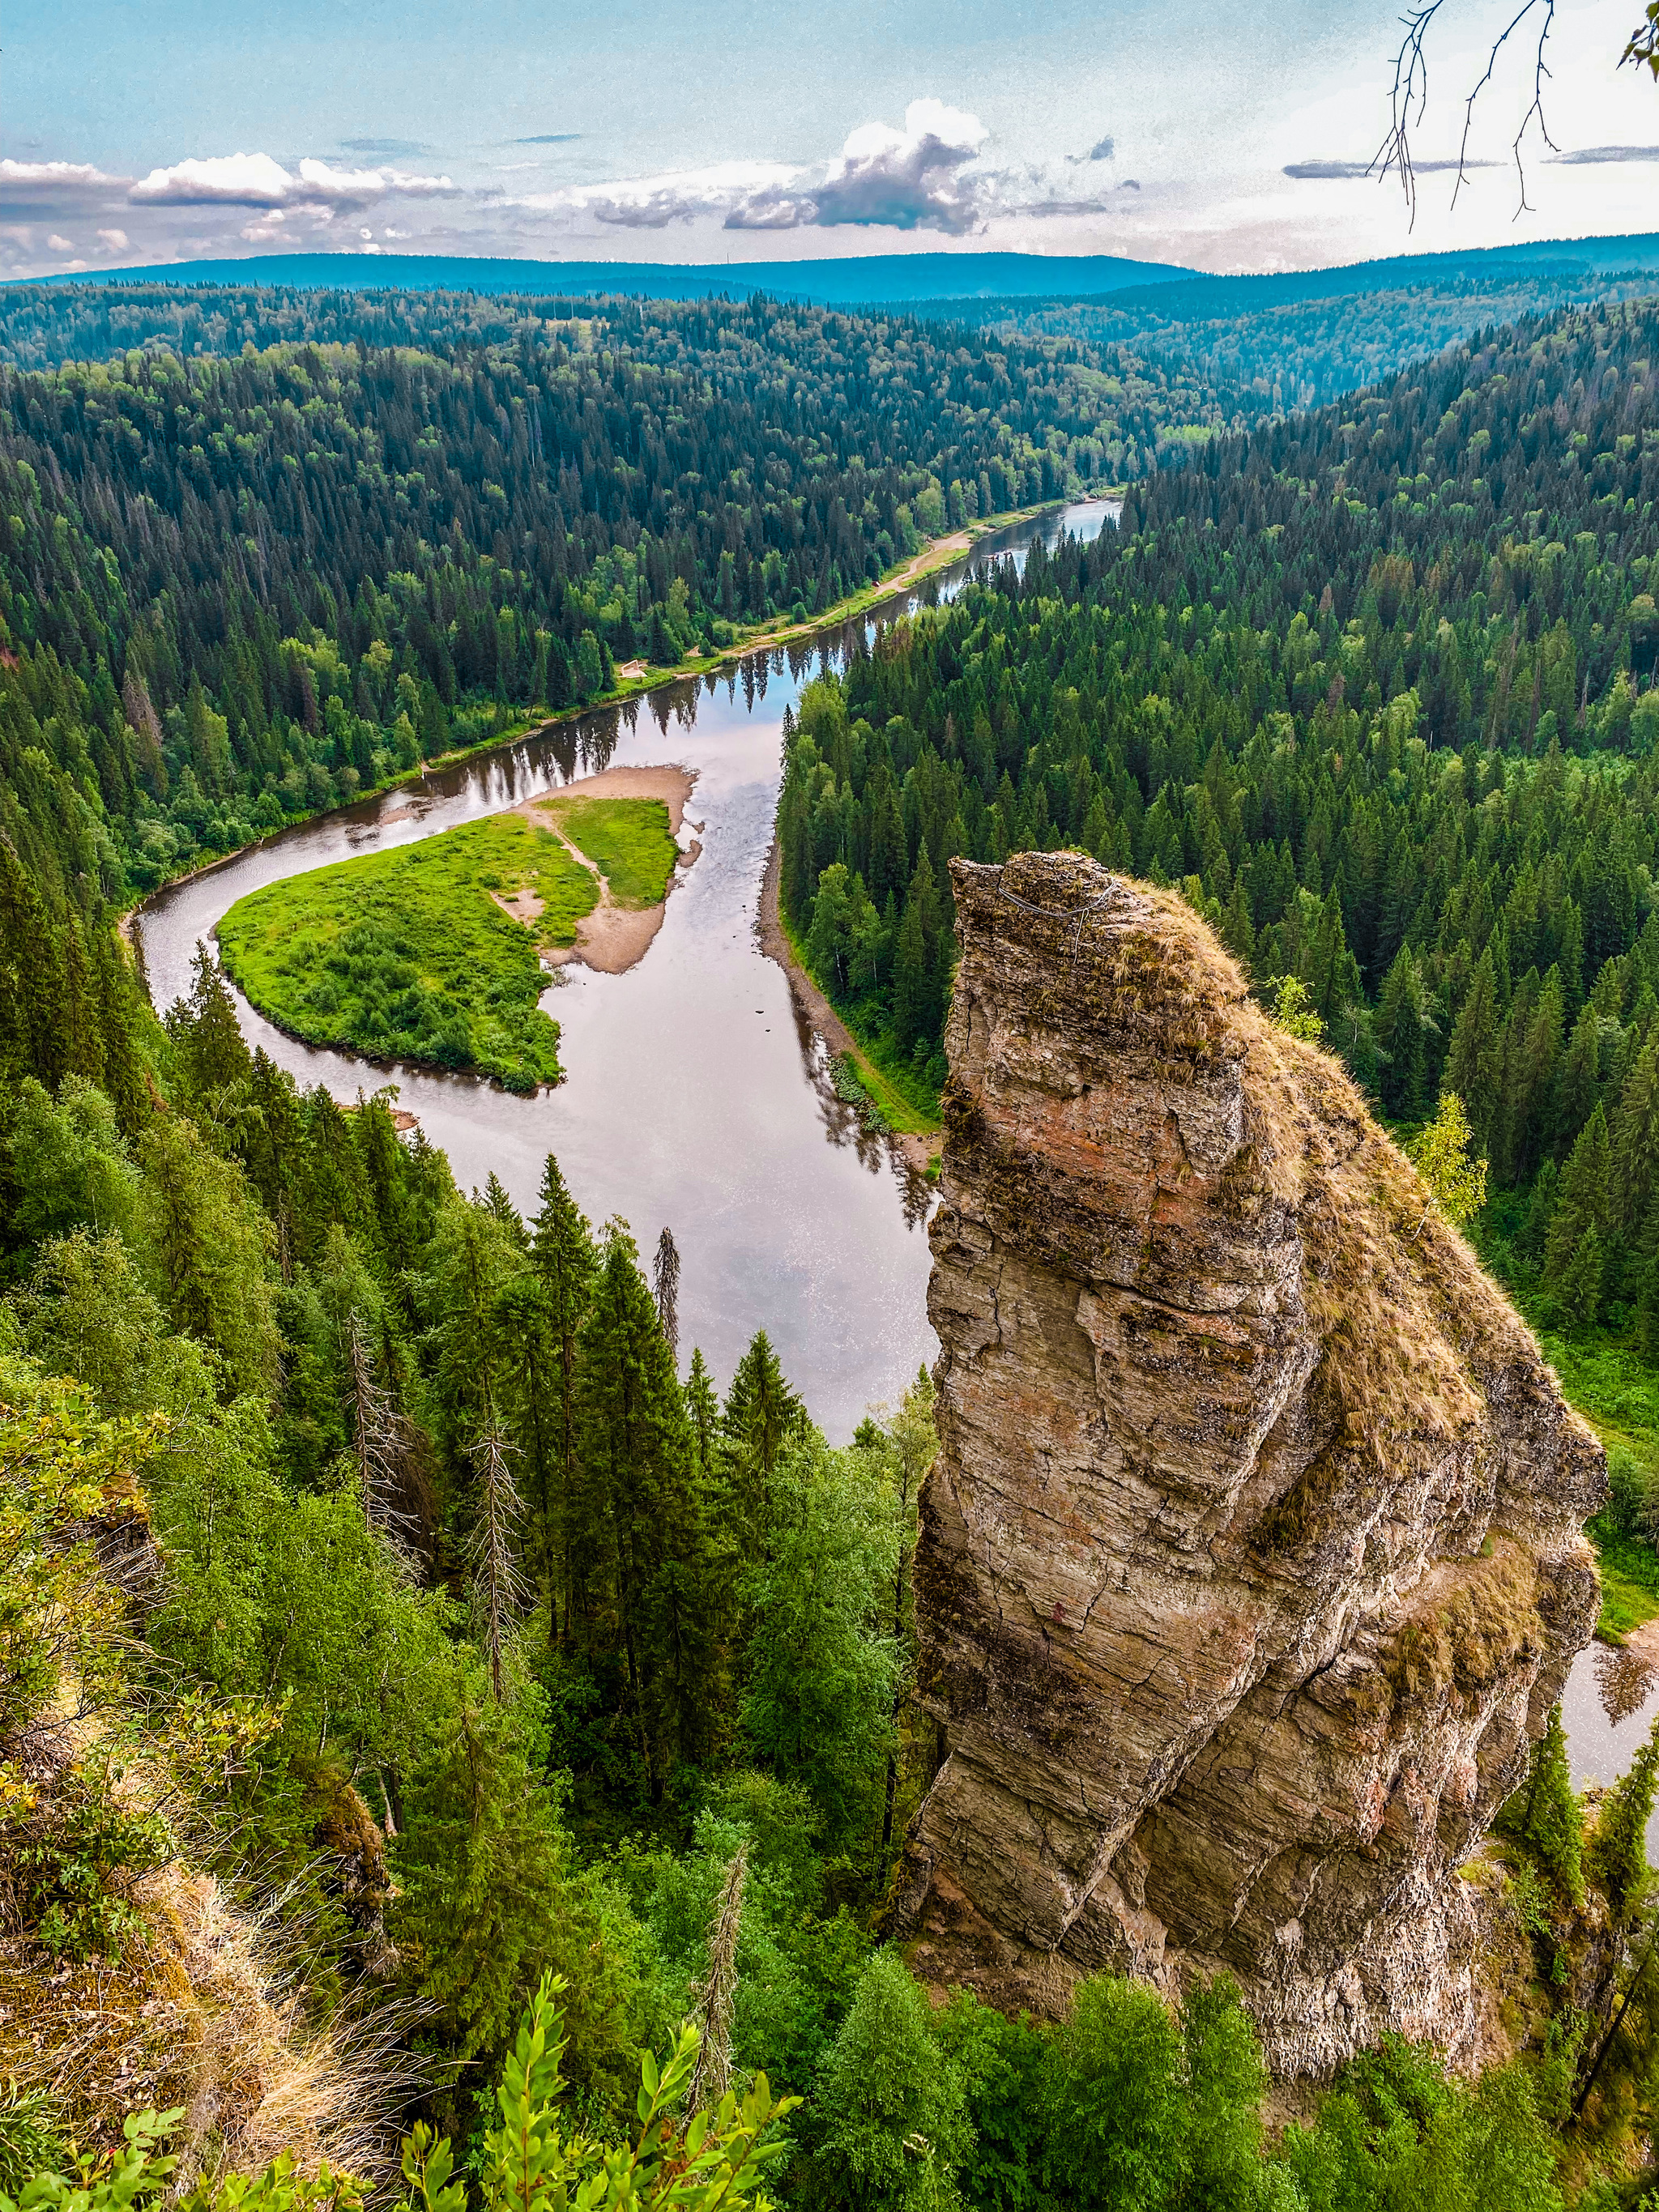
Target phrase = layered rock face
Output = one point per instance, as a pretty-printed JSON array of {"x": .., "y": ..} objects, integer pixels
[{"x": 1253, "y": 1555}]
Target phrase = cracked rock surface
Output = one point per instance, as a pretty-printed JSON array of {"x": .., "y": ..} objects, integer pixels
[{"x": 1253, "y": 1556}]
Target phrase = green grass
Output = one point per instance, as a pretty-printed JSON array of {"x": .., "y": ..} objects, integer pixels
[
  {"x": 1618, "y": 1394},
  {"x": 900, "y": 1094},
  {"x": 907, "y": 1101},
  {"x": 628, "y": 839},
  {"x": 404, "y": 954},
  {"x": 1630, "y": 1586}
]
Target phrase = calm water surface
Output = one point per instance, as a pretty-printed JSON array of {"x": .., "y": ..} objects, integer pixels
[
  {"x": 696, "y": 1095},
  {"x": 1610, "y": 1703}
]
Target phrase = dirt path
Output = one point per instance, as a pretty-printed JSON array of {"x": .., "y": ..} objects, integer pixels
[
  {"x": 613, "y": 937},
  {"x": 821, "y": 1016}
]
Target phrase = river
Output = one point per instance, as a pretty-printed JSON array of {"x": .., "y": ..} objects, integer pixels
[{"x": 695, "y": 1094}]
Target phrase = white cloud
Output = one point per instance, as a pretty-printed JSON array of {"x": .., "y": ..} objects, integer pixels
[
  {"x": 353, "y": 188},
  {"x": 116, "y": 240},
  {"x": 911, "y": 178},
  {"x": 60, "y": 245},
  {"x": 221, "y": 180},
  {"x": 258, "y": 180},
  {"x": 921, "y": 177},
  {"x": 53, "y": 173}
]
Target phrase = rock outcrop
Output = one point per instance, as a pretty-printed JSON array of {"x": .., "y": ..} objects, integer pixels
[{"x": 1253, "y": 1556}]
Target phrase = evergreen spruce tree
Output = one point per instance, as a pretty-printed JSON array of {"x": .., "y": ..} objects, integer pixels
[
  {"x": 212, "y": 1053},
  {"x": 83, "y": 1035},
  {"x": 638, "y": 1535},
  {"x": 561, "y": 1252},
  {"x": 702, "y": 1410},
  {"x": 1475, "y": 1064},
  {"x": 1546, "y": 1815},
  {"x": 1530, "y": 1108},
  {"x": 34, "y": 1035},
  {"x": 1635, "y": 1140},
  {"x": 1403, "y": 1031},
  {"x": 760, "y": 1415},
  {"x": 384, "y": 1175},
  {"x": 117, "y": 989},
  {"x": 1578, "y": 1082},
  {"x": 1580, "y": 1221}
]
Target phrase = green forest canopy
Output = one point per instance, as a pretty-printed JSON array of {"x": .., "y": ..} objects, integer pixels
[
  {"x": 236, "y": 590},
  {"x": 1376, "y": 683}
]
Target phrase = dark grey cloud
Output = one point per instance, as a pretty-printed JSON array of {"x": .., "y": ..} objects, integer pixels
[
  {"x": 548, "y": 138},
  {"x": 1608, "y": 153}
]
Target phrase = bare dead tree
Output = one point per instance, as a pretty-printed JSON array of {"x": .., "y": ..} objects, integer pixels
[
  {"x": 716, "y": 1994},
  {"x": 382, "y": 1441},
  {"x": 1410, "y": 92},
  {"x": 502, "y": 1590},
  {"x": 665, "y": 1277}
]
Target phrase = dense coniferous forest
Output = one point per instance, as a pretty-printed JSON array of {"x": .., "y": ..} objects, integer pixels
[
  {"x": 238, "y": 590},
  {"x": 400, "y": 1565},
  {"x": 1271, "y": 346},
  {"x": 1377, "y": 684}
]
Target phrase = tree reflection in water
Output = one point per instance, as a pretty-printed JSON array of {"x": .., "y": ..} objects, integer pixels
[{"x": 1624, "y": 1678}]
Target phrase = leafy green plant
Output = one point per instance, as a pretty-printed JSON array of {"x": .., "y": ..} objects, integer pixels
[
  {"x": 717, "y": 2158},
  {"x": 1442, "y": 1156},
  {"x": 1294, "y": 1012},
  {"x": 30, "y": 2138},
  {"x": 71, "y": 1858},
  {"x": 529, "y": 2163}
]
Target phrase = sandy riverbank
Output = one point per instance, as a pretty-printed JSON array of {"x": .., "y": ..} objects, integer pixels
[{"x": 613, "y": 937}]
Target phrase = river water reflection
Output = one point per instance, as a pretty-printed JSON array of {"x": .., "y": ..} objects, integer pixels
[{"x": 695, "y": 1094}]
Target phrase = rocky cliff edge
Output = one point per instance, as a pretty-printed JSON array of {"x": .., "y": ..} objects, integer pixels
[{"x": 1253, "y": 1556}]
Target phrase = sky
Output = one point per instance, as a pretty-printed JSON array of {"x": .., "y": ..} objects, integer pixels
[{"x": 1222, "y": 136}]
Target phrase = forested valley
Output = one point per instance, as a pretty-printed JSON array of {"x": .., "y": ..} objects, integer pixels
[
  {"x": 241, "y": 588},
  {"x": 386, "y": 1557}
]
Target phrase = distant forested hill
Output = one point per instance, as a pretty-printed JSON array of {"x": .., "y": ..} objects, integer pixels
[
  {"x": 1377, "y": 684},
  {"x": 1279, "y": 342},
  {"x": 235, "y": 589}
]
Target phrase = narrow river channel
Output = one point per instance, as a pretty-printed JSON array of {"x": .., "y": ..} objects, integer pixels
[{"x": 696, "y": 1095}]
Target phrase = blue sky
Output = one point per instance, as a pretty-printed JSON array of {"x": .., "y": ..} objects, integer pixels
[{"x": 644, "y": 130}]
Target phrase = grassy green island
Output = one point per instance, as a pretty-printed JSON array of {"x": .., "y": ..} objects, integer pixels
[{"x": 432, "y": 952}]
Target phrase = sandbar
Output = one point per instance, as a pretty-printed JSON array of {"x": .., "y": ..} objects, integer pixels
[{"x": 613, "y": 937}]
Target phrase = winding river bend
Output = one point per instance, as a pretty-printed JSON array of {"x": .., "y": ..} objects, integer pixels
[{"x": 696, "y": 1095}]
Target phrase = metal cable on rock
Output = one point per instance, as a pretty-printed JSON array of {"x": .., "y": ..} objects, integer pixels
[{"x": 1077, "y": 914}]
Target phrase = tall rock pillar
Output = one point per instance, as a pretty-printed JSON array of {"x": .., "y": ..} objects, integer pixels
[{"x": 1253, "y": 1556}]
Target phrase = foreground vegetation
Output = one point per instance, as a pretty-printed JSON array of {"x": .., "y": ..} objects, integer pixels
[
  {"x": 460, "y": 1615},
  {"x": 409, "y": 954}
]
